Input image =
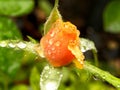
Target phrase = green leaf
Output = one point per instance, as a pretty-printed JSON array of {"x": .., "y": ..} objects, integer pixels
[
  {"x": 31, "y": 39},
  {"x": 10, "y": 60},
  {"x": 54, "y": 15},
  {"x": 111, "y": 17},
  {"x": 50, "y": 78},
  {"x": 87, "y": 45},
  {"x": 8, "y": 29},
  {"x": 16, "y": 7},
  {"x": 20, "y": 87},
  {"x": 35, "y": 79}
]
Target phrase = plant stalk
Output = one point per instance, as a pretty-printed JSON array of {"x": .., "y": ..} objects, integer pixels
[
  {"x": 95, "y": 58},
  {"x": 102, "y": 74}
]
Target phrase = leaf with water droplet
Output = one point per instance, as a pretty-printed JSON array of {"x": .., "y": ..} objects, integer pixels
[
  {"x": 87, "y": 45},
  {"x": 54, "y": 15},
  {"x": 50, "y": 78},
  {"x": 10, "y": 60}
]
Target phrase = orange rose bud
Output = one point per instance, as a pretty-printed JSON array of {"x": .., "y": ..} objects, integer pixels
[{"x": 55, "y": 43}]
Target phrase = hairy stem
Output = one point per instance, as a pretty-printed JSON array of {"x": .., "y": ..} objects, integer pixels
[
  {"x": 20, "y": 45},
  {"x": 102, "y": 74}
]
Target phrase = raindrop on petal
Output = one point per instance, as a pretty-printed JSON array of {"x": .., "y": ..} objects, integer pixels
[
  {"x": 50, "y": 42},
  {"x": 52, "y": 34},
  {"x": 57, "y": 43}
]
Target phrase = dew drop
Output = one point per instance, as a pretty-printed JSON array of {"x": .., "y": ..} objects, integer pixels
[
  {"x": 66, "y": 26},
  {"x": 52, "y": 48},
  {"x": 50, "y": 42},
  {"x": 52, "y": 34},
  {"x": 57, "y": 43},
  {"x": 49, "y": 52},
  {"x": 47, "y": 68},
  {"x": 58, "y": 72},
  {"x": 3, "y": 44},
  {"x": 11, "y": 45},
  {"x": 118, "y": 86},
  {"x": 50, "y": 86},
  {"x": 81, "y": 62},
  {"x": 95, "y": 78},
  {"x": 21, "y": 45},
  {"x": 103, "y": 77}
]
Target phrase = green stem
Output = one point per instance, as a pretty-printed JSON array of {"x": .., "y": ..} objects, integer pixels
[
  {"x": 102, "y": 74},
  {"x": 20, "y": 45},
  {"x": 95, "y": 57},
  {"x": 56, "y": 3}
]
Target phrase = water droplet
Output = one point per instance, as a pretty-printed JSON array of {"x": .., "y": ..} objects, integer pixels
[
  {"x": 95, "y": 78},
  {"x": 11, "y": 45},
  {"x": 52, "y": 34},
  {"x": 47, "y": 68},
  {"x": 61, "y": 75},
  {"x": 80, "y": 61},
  {"x": 49, "y": 53},
  {"x": 103, "y": 77},
  {"x": 50, "y": 86},
  {"x": 66, "y": 26},
  {"x": 58, "y": 72},
  {"x": 49, "y": 72},
  {"x": 21, "y": 45},
  {"x": 3, "y": 44},
  {"x": 50, "y": 42},
  {"x": 52, "y": 48},
  {"x": 57, "y": 43},
  {"x": 118, "y": 86}
]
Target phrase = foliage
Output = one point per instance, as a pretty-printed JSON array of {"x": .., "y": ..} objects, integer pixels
[
  {"x": 112, "y": 17},
  {"x": 9, "y": 68},
  {"x": 15, "y": 7}
]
